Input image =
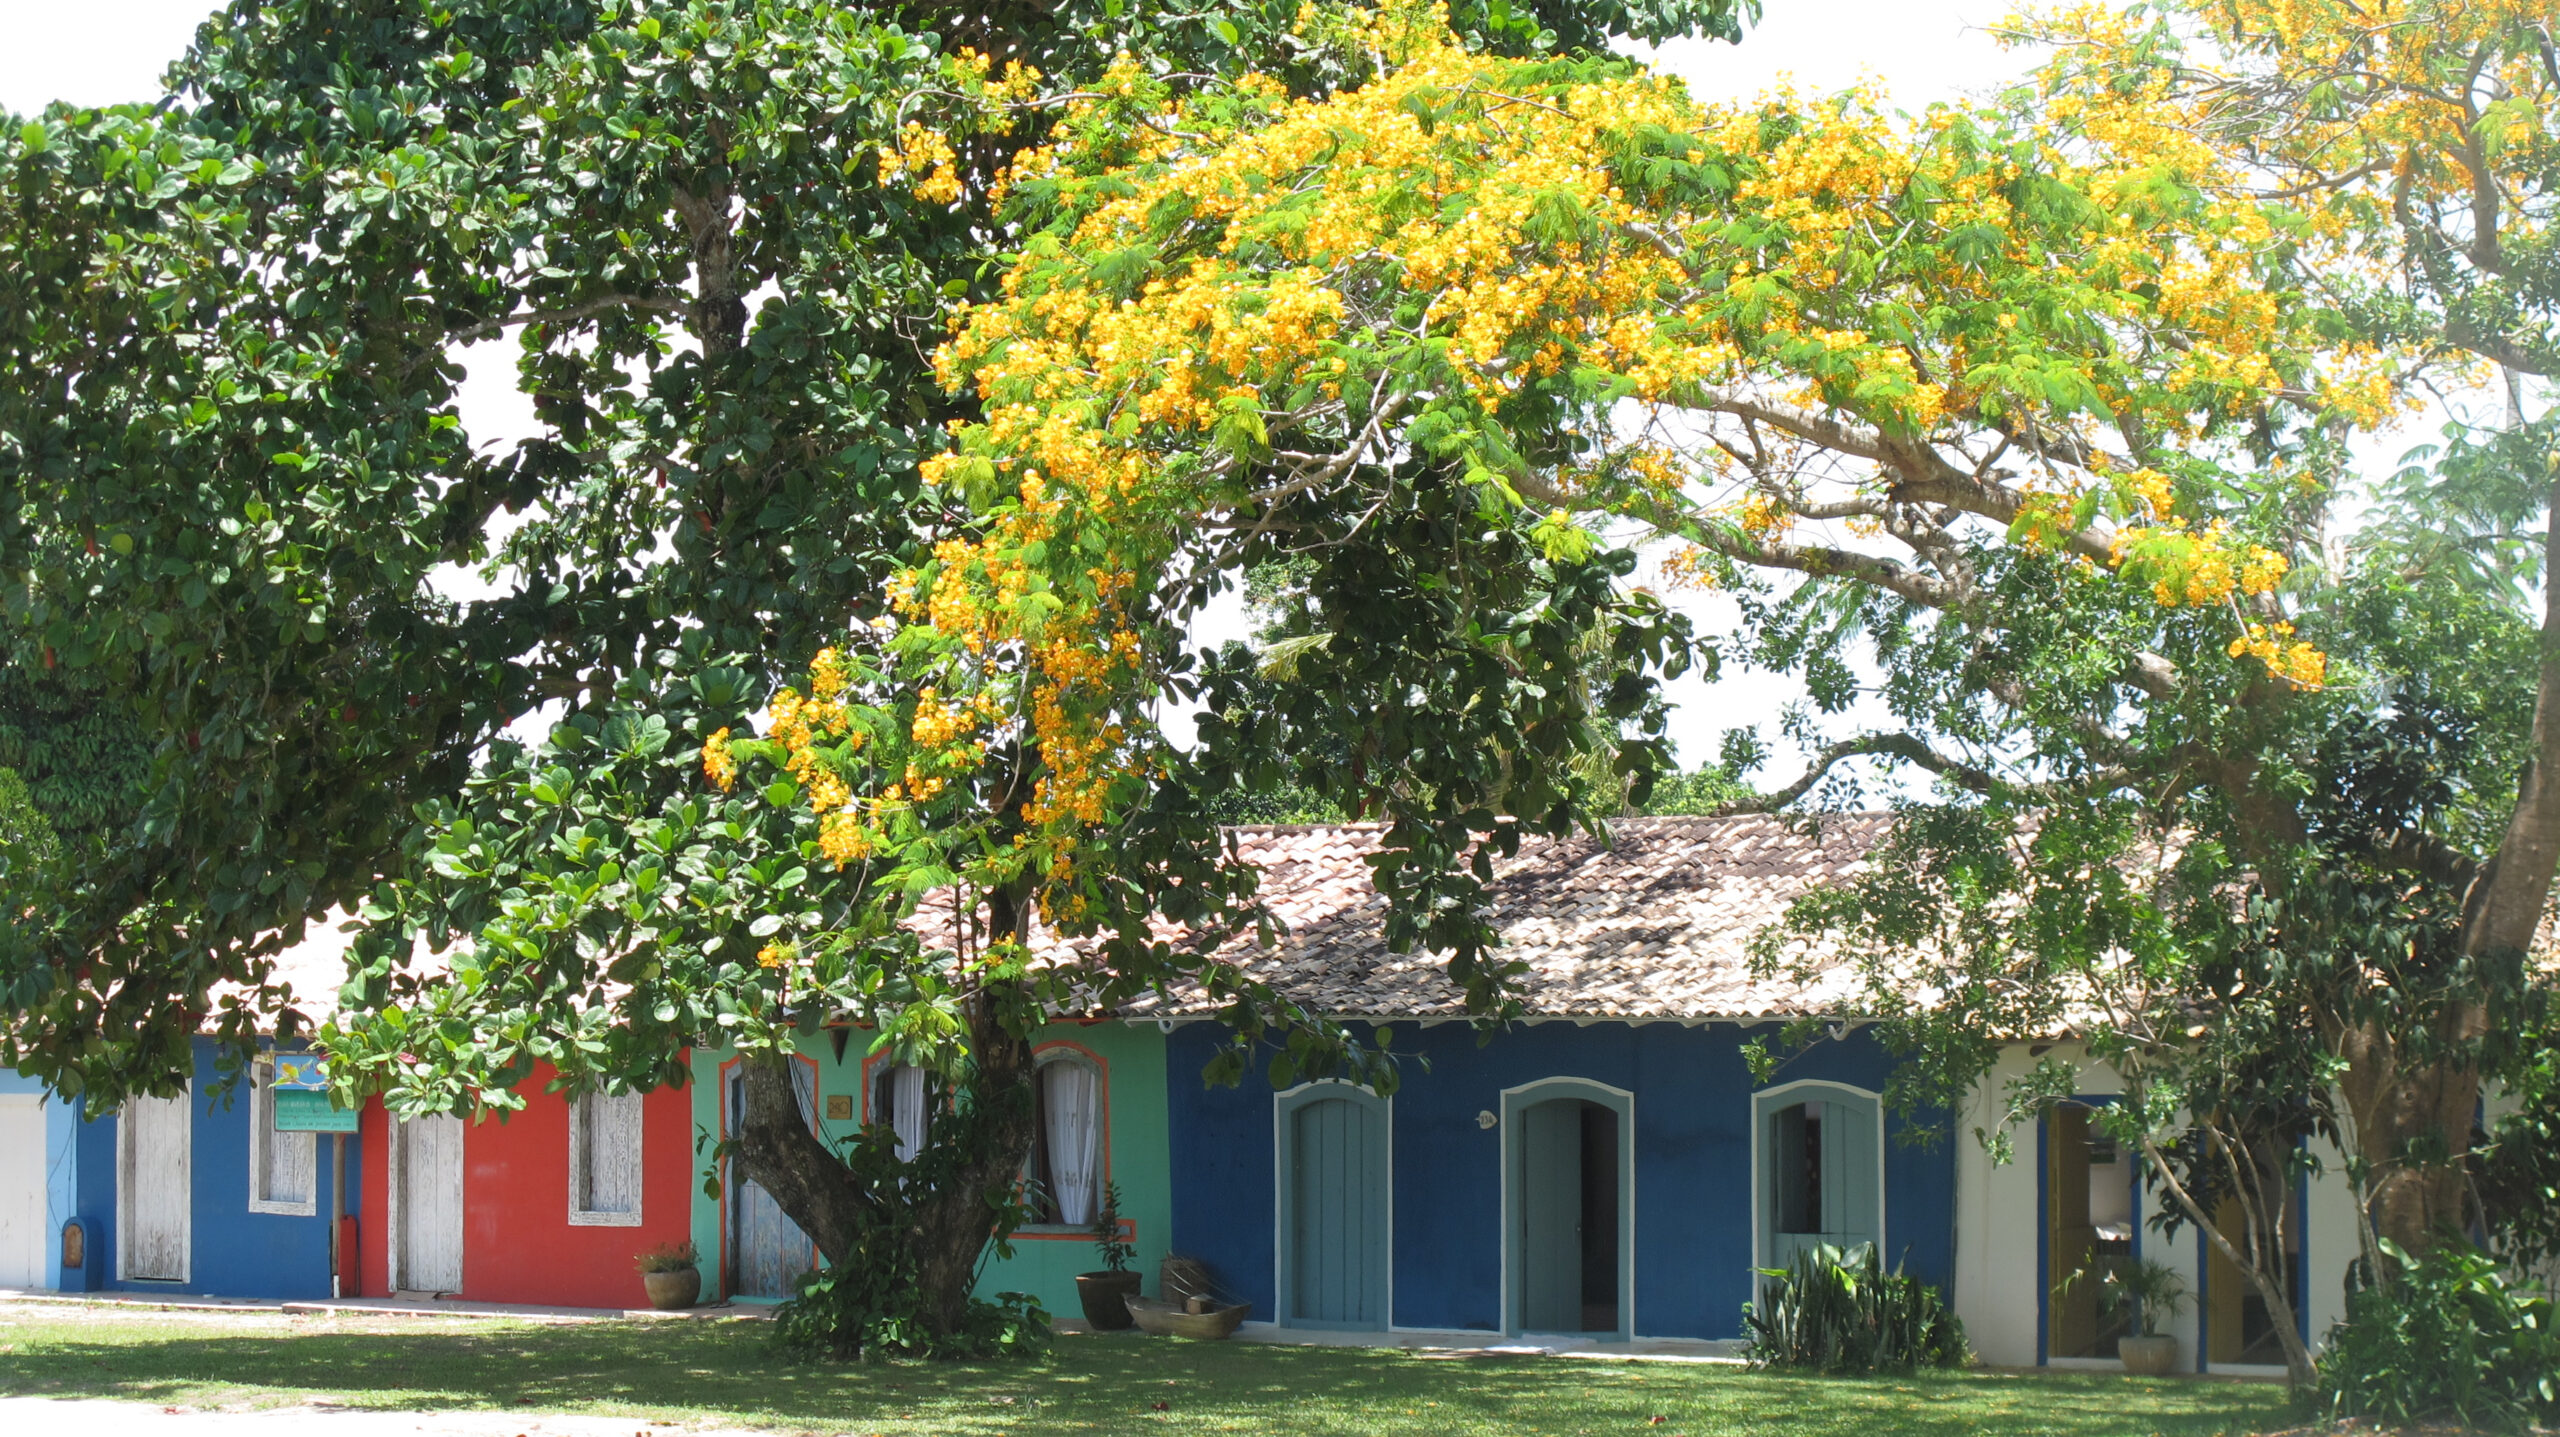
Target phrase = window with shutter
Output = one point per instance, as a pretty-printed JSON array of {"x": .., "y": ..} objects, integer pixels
[
  {"x": 283, "y": 1167},
  {"x": 604, "y": 1160}
]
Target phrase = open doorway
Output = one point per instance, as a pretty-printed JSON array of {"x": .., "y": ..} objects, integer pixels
[
  {"x": 2240, "y": 1331},
  {"x": 2089, "y": 1216},
  {"x": 1568, "y": 1184}
]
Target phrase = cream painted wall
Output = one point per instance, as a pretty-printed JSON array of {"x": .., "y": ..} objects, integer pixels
[{"x": 1999, "y": 1220}]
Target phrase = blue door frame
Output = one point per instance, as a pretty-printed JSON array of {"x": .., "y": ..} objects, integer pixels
[{"x": 1515, "y": 1103}]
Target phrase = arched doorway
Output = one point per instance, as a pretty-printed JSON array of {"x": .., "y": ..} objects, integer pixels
[
  {"x": 1335, "y": 1207},
  {"x": 1569, "y": 1208}
]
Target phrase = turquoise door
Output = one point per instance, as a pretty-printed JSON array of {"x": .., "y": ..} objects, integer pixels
[
  {"x": 1550, "y": 1188},
  {"x": 1333, "y": 1190}
]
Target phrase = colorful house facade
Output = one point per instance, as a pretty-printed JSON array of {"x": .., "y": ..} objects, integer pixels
[
  {"x": 548, "y": 1204},
  {"x": 1606, "y": 1168},
  {"x": 1102, "y": 1120},
  {"x": 193, "y": 1194}
]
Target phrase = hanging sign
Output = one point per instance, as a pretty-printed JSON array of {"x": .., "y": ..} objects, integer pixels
[{"x": 299, "y": 1097}]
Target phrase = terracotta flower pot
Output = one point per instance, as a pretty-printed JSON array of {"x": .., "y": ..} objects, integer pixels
[
  {"x": 1105, "y": 1298},
  {"x": 2148, "y": 1356},
  {"x": 673, "y": 1291}
]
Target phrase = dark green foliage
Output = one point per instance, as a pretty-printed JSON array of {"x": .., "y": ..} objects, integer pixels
[
  {"x": 872, "y": 1302},
  {"x": 2518, "y": 1167},
  {"x": 1840, "y": 1311},
  {"x": 2448, "y": 1337}
]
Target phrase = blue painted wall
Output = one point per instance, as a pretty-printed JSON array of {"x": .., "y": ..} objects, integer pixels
[
  {"x": 234, "y": 1252},
  {"x": 1693, "y": 1199}
]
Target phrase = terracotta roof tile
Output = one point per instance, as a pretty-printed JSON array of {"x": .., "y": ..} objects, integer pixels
[{"x": 1656, "y": 923}]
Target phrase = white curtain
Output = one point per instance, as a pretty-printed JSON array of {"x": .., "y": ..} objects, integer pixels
[
  {"x": 1074, "y": 1135},
  {"x": 907, "y": 1115}
]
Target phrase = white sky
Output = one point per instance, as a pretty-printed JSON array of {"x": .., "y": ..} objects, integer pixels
[{"x": 104, "y": 51}]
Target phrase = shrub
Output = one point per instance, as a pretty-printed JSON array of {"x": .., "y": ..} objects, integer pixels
[
  {"x": 2448, "y": 1338},
  {"x": 873, "y": 1303},
  {"x": 1836, "y": 1311}
]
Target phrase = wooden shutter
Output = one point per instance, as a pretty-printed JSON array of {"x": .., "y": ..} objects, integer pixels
[{"x": 605, "y": 1136}]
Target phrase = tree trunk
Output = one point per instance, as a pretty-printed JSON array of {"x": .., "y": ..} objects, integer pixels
[
  {"x": 2412, "y": 1120},
  {"x": 951, "y": 1223}
]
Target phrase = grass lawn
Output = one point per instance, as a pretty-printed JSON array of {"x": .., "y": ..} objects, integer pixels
[{"x": 725, "y": 1372}]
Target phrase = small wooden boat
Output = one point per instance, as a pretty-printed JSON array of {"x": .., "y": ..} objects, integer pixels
[{"x": 1168, "y": 1319}]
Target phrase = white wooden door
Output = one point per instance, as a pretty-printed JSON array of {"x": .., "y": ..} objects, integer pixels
[
  {"x": 154, "y": 1188},
  {"x": 22, "y": 1224},
  {"x": 427, "y": 1233}
]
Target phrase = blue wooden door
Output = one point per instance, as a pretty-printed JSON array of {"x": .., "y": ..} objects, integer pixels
[
  {"x": 1550, "y": 1188},
  {"x": 1334, "y": 1188}
]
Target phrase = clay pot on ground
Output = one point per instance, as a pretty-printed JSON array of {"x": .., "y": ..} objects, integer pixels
[
  {"x": 1105, "y": 1298},
  {"x": 673, "y": 1291},
  {"x": 2148, "y": 1356}
]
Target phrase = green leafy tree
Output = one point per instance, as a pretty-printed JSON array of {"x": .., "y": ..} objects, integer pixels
[{"x": 723, "y": 238}]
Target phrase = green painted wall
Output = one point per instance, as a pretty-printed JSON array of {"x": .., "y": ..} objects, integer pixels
[{"x": 1044, "y": 1264}]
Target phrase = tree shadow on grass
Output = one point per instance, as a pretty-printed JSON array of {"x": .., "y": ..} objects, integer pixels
[{"x": 733, "y": 1373}]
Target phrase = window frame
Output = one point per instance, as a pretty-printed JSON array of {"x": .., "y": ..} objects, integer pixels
[
  {"x": 262, "y": 1117},
  {"x": 582, "y": 1216},
  {"x": 1047, "y": 1055},
  {"x": 1765, "y": 1107}
]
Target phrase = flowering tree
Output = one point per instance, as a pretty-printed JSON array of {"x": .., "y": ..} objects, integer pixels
[{"x": 2045, "y": 404}]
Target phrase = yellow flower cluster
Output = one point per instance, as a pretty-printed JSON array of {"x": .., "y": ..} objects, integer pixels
[
  {"x": 924, "y": 161},
  {"x": 775, "y": 955},
  {"x": 719, "y": 765},
  {"x": 2286, "y": 657}
]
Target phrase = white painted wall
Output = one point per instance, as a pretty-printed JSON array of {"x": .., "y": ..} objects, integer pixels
[
  {"x": 22, "y": 1224},
  {"x": 2000, "y": 1222}
]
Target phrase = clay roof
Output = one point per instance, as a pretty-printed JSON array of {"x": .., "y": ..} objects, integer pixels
[{"x": 1655, "y": 922}]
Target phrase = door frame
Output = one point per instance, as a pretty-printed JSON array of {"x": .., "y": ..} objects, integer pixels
[
  {"x": 1764, "y": 1104},
  {"x": 1284, "y": 1108},
  {"x": 1516, "y": 1101},
  {"x": 396, "y": 1175},
  {"x": 186, "y": 1101}
]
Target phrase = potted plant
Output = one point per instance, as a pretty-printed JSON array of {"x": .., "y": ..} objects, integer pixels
[
  {"x": 1105, "y": 1294},
  {"x": 2157, "y": 1293},
  {"x": 672, "y": 1272}
]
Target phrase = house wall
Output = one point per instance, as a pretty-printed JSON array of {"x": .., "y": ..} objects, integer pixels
[
  {"x": 2002, "y": 1272},
  {"x": 518, "y": 1244},
  {"x": 1044, "y": 1264},
  {"x": 59, "y": 1177},
  {"x": 1693, "y": 1232},
  {"x": 233, "y": 1252}
]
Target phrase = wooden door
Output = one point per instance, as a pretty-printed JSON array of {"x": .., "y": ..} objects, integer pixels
[
  {"x": 1821, "y": 1184},
  {"x": 155, "y": 1189},
  {"x": 22, "y": 1224},
  {"x": 2070, "y": 1238},
  {"x": 770, "y": 1251},
  {"x": 429, "y": 1228},
  {"x": 1550, "y": 1187},
  {"x": 1335, "y": 1225}
]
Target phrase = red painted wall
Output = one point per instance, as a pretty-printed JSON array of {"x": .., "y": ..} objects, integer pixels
[{"x": 517, "y": 1241}]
